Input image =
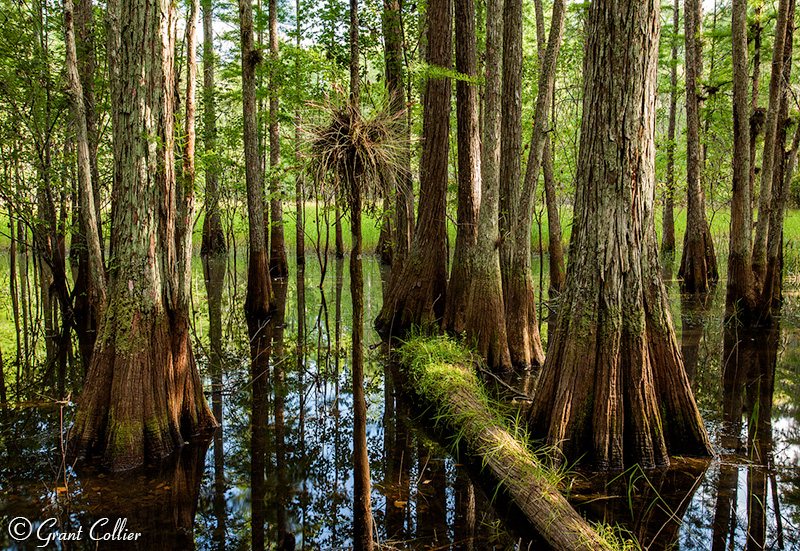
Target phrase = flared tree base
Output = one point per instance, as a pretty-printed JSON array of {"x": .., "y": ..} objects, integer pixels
[{"x": 143, "y": 396}]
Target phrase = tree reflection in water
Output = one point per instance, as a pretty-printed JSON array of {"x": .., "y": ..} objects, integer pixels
[{"x": 281, "y": 462}]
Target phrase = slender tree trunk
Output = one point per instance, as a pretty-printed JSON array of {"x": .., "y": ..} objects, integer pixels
[
  {"x": 3, "y": 396},
  {"x": 739, "y": 300},
  {"x": 555, "y": 250},
  {"x": 89, "y": 222},
  {"x": 362, "y": 514},
  {"x": 668, "y": 219},
  {"x": 417, "y": 292},
  {"x": 185, "y": 223},
  {"x": 143, "y": 397},
  {"x": 770, "y": 143},
  {"x": 485, "y": 318},
  {"x": 339, "y": 239},
  {"x": 698, "y": 263},
  {"x": 385, "y": 241},
  {"x": 299, "y": 187},
  {"x": 213, "y": 235},
  {"x": 278, "y": 263},
  {"x": 469, "y": 168},
  {"x": 757, "y": 120},
  {"x": 613, "y": 389},
  {"x": 87, "y": 64},
  {"x": 403, "y": 186},
  {"x": 769, "y": 302},
  {"x": 258, "y": 302},
  {"x": 14, "y": 291}
]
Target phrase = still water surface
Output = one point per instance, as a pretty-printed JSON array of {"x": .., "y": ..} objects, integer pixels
[{"x": 213, "y": 494}]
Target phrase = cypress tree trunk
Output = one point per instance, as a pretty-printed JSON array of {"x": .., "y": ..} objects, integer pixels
[
  {"x": 213, "y": 243},
  {"x": 258, "y": 301},
  {"x": 299, "y": 191},
  {"x": 668, "y": 218},
  {"x": 417, "y": 291},
  {"x": 739, "y": 300},
  {"x": 613, "y": 389},
  {"x": 770, "y": 299},
  {"x": 485, "y": 318},
  {"x": 698, "y": 263},
  {"x": 143, "y": 395},
  {"x": 757, "y": 121},
  {"x": 469, "y": 168},
  {"x": 524, "y": 342},
  {"x": 87, "y": 64},
  {"x": 770, "y": 143},
  {"x": 278, "y": 263},
  {"x": 554, "y": 248},
  {"x": 403, "y": 186}
]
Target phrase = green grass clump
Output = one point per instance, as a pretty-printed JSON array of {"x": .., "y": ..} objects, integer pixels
[
  {"x": 616, "y": 536},
  {"x": 439, "y": 367}
]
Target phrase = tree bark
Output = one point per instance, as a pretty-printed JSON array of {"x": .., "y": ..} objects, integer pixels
[
  {"x": 401, "y": 180},
  {"x": 258, "y": 302},
  {"x": 90, "y": 224},
  {"x": 485, "y": 317},
  {"x": 757, "y": 121},
  {"x": 668, "y": 218},
  {"x": 554, "y": 247},
  {"x": 469, "y": 168},
  {"x": 770, "y": 299},
  {"x": 87, "y": 64},
  {"x": 185, "y": 223},
  {"x": 417, "y": 292},
  {"x": 362, "y": 510},
  {"x": 143, "y": 395},
  {"x": 698, "y": 263},
  {"x": 213, "y": 235},
  {"x": 278, "y": 263},
  {"x": 299, "y": 184},
  {"x": 613, "y": 389},
  {"x": 739, "y": 299},
  {"x": 770, "y": 139}
]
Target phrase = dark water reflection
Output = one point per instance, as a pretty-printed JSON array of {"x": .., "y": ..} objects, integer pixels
[{"x": 280, "y": 467}]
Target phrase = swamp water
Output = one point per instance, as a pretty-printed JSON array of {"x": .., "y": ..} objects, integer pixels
[{"x": 255, "y": 484}]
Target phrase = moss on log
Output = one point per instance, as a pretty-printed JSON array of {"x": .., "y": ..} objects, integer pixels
[{"x": 438, "y": 374}]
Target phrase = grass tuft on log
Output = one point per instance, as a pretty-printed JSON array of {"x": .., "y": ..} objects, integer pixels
[{"x": 439, "y": 374}]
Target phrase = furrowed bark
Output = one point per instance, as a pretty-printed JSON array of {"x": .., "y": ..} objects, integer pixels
[
  {"x": 417, "y": 291},
  {"x": 485, "y": 317},
  {"x": 770, "y": 139},
  {"x": 469, "y": 169},
  {"x": 143, "y": 397},
  {"x": 613, "y": 390}
]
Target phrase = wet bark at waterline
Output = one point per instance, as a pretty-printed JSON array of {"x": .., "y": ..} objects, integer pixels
[{"x": 258, "y": 302}]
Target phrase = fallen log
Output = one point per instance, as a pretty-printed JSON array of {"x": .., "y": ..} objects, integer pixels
[{"x": 437, "y": 374}]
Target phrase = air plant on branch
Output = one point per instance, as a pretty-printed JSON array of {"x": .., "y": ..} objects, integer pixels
[{"x": 360, "y": 154}]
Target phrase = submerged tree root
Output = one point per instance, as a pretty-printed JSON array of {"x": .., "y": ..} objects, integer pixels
[{"x": 438, "y": 375}]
